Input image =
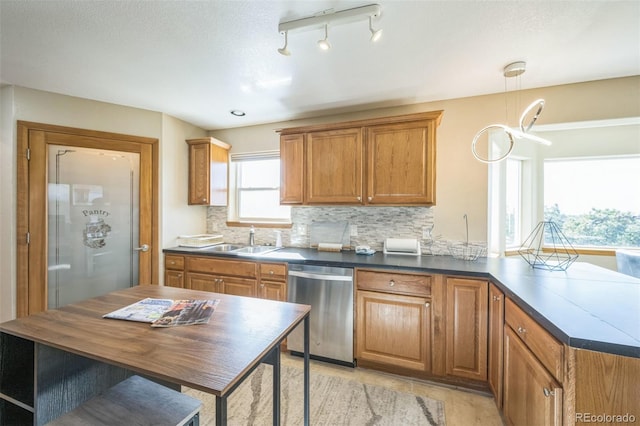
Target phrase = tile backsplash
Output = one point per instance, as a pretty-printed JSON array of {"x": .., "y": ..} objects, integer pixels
[{"x": 371, "y": 224}]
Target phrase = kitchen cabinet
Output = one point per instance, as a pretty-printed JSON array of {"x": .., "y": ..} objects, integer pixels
[
  {"x": 383, "y": 161},
  {"x": 401, "y": 163},
  {"x": 208, "y": 171},
  {"x": 273, "y": 281},
  {"x": 531, "y": 395},
  {"x": 174, "y": 271},
  {"x": 533, "y": 371},
  {"x": 291, "y": 169},
  {"x": 333, "y": 167},
  {"x": 231, "y": 276},
  {"x": 393, "y": 319},
  {"x": 496, "y": 342},
  {"x": 466, "y": 328}
]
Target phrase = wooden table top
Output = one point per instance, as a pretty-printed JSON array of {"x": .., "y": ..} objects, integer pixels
[{"x": 209, "y": 357}]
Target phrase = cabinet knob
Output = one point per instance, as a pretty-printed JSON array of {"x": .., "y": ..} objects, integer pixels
[
  {"x": 427, "y": 304},
  {"x": 369, "y": 198},
  {"x": 173, "y": 262},
  {"x": 522, "y": 330},
  {"x": 270, "y": 272},
  {"x": 548, "y": 392},
  {"x": 204, "y": 200},
  {"x": 359, "y": 198},
  {"x": 392, "y": 283},
  {"x": 496, "y": 298},
  {"x": 262, "y": 285},
  {"x": 179, "y": 275}
]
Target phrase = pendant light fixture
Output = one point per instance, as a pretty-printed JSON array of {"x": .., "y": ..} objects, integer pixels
[
  {"x": 330, "y": 17},
  {"x": 507, "y": 136},
  {"x": 324, "y": 43}
]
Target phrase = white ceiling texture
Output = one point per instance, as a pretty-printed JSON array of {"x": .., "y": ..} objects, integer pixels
[{"x": 198, "y": 60}]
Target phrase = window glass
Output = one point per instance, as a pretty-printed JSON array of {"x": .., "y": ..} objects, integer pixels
[
  {"x": 595, "y": 201},
  {"x": 256, "y": 187}
]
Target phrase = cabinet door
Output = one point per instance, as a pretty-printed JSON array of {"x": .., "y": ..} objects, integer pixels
[
  {"x": 401, "y": 163},
  {"x": 273, "y": 290},
  {"x": 531, "y": 395},
  {"x": 238, "y": 286},
  {"x": 334, "y": 167},
  {"x": 174, "y": 278},
  {"x": 393, "y": 330},
  {"x": 496, "y": 341},
  {"x": 208, "y": 172},
  {"x": 292, "y": 169},
  {"x": 204, "y": 282},
  {"x": 466, "y": 328}
]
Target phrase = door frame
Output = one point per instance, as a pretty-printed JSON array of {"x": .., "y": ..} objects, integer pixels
[{"x": 31, "y": 268}]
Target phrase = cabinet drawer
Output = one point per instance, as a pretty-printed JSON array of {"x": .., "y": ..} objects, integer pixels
[
  {"x": 174, "y": 262},
  {"x": 236, "y": 268},
  {"x": 544, "y": 346},
  {"x": 273, "y": 272},
  {"x": 393, "y": 282}
]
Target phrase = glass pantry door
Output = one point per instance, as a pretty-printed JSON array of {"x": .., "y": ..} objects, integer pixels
[{"x": 93, "y": 222}]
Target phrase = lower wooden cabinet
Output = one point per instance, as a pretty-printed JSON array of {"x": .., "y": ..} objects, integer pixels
[
  {"x": 174, "y": 271},
  {"x": 466, "y": 328},
  {"x": 531, "y": 394},
  {"x": 393, "y": 329},
  {"x": 496, "y": 342}
]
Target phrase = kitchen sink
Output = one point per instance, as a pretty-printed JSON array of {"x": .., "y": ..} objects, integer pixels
[
  {"x": 255, "y": 249},
  {"x": 224, "y": 247}
]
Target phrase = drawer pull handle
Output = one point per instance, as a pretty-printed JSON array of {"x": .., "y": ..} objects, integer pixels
[
  {"x": 392, "y": 283},
  {"x": 522, "y": 330},
  {"x": 548, "y": 392},
  {"x": 496, "y": 298}
]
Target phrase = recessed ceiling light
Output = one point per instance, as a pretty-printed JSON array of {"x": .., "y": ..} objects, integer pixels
[{"x": 238, "y": 113}]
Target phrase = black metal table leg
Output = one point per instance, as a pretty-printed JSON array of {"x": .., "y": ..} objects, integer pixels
[
  {"x": 221, "y": 410},
  {"x": 306, "y": 371},
  {"x": 276, "y": 386}
]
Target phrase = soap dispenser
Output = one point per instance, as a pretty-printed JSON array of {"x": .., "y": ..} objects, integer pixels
[{"x": 278, "y": 239}]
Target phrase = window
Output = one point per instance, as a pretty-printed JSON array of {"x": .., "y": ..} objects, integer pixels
[
  {"x": 513, "y": 225},
  {"x": 255, "y": 189},
  {"x": 594, "y": 200}
]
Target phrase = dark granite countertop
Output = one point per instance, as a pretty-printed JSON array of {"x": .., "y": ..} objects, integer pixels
[{"x": 585, "y": 306}]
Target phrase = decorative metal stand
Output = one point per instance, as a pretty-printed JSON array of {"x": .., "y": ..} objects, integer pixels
[{"x": 547, "y": 248}]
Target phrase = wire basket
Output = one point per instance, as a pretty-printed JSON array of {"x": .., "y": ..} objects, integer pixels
[{"x": 466, "y": 251}]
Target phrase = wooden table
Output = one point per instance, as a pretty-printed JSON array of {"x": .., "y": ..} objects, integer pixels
[{"x": 75, "y": 347}]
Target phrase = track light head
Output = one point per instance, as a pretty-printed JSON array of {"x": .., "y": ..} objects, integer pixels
[
  {"x": 283, "y": 50},
  {"x": 324, "y": 43},
  {"x": 375, "y": 34}
]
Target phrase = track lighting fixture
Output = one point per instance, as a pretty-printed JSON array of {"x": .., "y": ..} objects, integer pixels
[
  {"x": 330, "y": 17},
  {"x": 324, "y": 43},
  {"x": 504, "y": 143},
  {"x": 283, "y": 50},
  {"x": 375, "y": 34}
]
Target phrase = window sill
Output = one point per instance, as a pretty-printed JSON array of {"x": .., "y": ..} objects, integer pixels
[{"x": 238, "y": 224}]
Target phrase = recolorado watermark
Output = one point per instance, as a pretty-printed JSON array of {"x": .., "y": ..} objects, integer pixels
[{"x": 605, "y": 418}]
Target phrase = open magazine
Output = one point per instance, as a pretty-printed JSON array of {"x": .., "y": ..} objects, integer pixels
[{"x": 167, "y": 312}]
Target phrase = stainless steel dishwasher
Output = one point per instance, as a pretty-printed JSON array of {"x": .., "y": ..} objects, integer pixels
[{"x": 329, "y": 291}]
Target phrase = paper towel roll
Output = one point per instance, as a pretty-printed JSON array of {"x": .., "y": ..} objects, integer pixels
[{"x": 402, "y": 246}]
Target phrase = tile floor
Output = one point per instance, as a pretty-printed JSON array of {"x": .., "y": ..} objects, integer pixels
[{"x": 462, "y": 408}]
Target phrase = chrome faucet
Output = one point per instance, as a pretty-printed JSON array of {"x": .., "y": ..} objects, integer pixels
[{"x": 252, "y": 235}]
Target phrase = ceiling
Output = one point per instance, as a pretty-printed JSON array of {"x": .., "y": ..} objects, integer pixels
[{"x": 198, "y": 60}]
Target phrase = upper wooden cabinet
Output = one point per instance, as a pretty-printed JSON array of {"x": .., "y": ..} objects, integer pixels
[
  {"x": 208, "y": 171},
  {"x": 384, "y": 161}
]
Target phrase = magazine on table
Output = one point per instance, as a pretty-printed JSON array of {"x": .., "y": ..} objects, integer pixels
[{"x": 167, "y": 312}]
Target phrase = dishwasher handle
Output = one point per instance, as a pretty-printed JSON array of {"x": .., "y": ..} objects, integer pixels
[{"x": 316, "y": 276}]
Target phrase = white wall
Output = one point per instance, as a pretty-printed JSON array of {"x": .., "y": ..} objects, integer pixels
[
  {"x": 461, "y": 183},
  {"x": 20, "y": 103}
]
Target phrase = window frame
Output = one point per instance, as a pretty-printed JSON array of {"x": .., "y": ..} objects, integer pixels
[{"x": 235, "y": 177}]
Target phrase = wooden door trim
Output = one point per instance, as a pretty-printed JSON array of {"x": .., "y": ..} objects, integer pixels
[{"x": 23, "y": 203}]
